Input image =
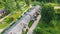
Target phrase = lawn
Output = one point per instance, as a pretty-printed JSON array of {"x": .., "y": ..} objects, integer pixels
[
  {"x": 13, "y": 17},
  {"x": 3, "y": 25}
]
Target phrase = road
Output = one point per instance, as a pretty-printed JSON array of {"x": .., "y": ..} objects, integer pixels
[
  {"x": 18, "y": 27},
  {"x": 34, "y": 25},
  {"x": 1, "y": 30},
  {"x": 56, "y": 7}
]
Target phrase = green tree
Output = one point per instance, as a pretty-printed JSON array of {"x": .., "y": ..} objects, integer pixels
[
  {"x": 27, "y": 2},
  {"x": 58, "y": 1},
  {"x": 47, "y": 13},
  {"x": 10, "y": 5},
  {"x": 1, "y": 3}
]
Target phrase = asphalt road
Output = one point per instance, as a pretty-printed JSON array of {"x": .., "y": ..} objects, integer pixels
[
  {"x": 19, "y": 25},
  {"x": 30, "y": 31}
]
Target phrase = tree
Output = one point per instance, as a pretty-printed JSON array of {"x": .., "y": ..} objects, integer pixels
[
  {"x": 58, "y": 1},
  {"x": 47, "y": 13},
  {"x": 1, "y": 3},
  {"x": 10, "y": 5},
  {"x": 27, "y": 2},
  {"x": 46, "y": 0}
]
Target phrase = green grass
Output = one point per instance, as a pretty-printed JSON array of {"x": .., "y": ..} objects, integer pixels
[
  {"x": 44, "y": 28},
  {"x": 1, "y": 7},
  {"x": 30, "y": 24},
  {"x": 3, "y": 25},
  {"x": 14, "y": 16},
  {"x": 52, "y": 28},
  {"x": 53, "y": 4},
  {"x": 57, "y": 11}
]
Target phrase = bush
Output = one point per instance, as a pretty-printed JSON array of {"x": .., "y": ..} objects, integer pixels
[
  {"x": 47, "y": 13},
  {"x": 36, "y": 3},
  {"x": 10, "y": 5},
  {"x": 9, "y": 20},
  {"x": 30, "y": 23}
]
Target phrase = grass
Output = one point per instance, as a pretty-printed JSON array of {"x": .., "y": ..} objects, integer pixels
[
  {"x": 3, "y": 25},
  {"x": 44, "y": 28},
  {"x": 47, "y": 29},
  {"x": 1, "y": 7},
  {"x": 30, "y": 24},
  {"x": 53, "y": 4},
  {"x": 14, "y": 16}
]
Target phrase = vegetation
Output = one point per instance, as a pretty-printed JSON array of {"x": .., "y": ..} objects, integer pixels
[
  {"x": 14, "y": 16},
  {"x": 13, "y": 7},
  {"x": 49, "y": 22},
  {"x": 30, "y": 24},
  {"x": 50, "y": 17},
  {"x": 47, "y": 13}
]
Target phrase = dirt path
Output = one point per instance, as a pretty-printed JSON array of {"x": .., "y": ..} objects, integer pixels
[
  {"x": 34, "y": 25},
  {"x": 56, "y": 7},
  {"x": 4, "y": 17}
]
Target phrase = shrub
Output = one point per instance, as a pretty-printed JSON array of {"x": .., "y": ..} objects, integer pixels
[
  {"x": 47, "y": 13},
  {"x": 9, "y": 20}
]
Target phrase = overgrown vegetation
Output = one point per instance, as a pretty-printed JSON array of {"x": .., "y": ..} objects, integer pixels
[
  {"x": 30, "y": 23},
  {"x": 50, "y": 17},
  {"x": 13, "y": 7},
  {"x": 49, "y": 22}
]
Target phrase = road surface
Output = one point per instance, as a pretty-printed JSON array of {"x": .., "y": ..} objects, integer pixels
[
  {"x": 34, "y": 25},
  {"x": 1, "y": 30},
  {"x": 18, "y": 27}
]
